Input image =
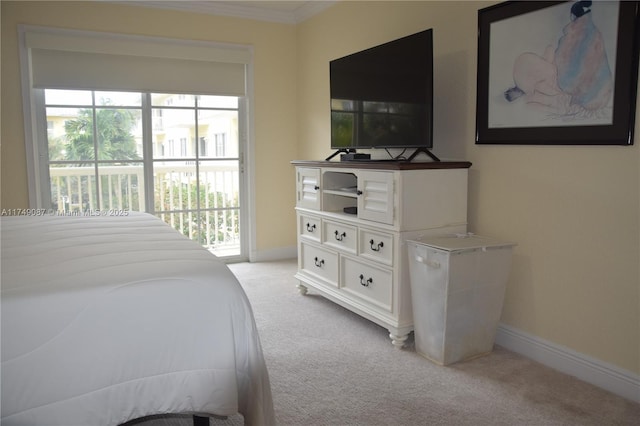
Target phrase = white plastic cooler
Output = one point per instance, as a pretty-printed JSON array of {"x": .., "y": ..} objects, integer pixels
[{"x": 458, "y": 284}]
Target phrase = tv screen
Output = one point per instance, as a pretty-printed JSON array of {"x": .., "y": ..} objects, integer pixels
[{"x": 382, "y": 97}]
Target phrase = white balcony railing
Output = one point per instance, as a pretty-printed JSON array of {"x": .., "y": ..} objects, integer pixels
[{"x": 204, "y": 209}]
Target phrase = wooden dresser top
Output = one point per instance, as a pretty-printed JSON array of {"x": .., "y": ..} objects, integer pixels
[{"x": 385, "y": 164}]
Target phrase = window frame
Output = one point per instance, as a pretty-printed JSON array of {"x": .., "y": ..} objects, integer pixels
[{"x": 35, "y": 132}]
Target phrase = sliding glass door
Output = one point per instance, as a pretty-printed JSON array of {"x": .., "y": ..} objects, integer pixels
[{"x": 176, "y": 156}]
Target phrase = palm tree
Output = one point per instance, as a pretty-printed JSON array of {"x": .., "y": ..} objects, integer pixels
[{"x": 115, "y": 139}]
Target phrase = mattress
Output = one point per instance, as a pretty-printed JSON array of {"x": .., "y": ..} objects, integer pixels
[{"x": 107, "y": 319}]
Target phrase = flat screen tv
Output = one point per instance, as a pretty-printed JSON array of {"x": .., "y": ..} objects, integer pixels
[{"x": 382, "y": 97}]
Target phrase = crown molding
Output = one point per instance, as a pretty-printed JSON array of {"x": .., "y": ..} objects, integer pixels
[
  {"x": 310, "y": 8},
  {"x": 239, "y": 9}
]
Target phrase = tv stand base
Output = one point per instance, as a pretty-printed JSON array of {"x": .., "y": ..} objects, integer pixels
[
  {"x": 426, "y": 151},
  {"x": 349, "y": 154}
]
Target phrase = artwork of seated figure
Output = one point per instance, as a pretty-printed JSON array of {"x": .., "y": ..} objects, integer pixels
[{"x": 573, "y": 79}]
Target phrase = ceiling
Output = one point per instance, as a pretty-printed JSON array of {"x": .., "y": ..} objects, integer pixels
[{"x": 287, "y": 11}]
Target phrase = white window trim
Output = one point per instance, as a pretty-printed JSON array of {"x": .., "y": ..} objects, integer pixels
[{"x": 35, "y": 129}]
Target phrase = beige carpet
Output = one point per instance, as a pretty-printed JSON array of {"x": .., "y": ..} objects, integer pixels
[{"x": 328, "y": 366}]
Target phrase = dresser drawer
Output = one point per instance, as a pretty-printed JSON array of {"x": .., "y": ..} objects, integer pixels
[
  {"x": 319, "y": 262},
  {"x": 309, "y": 227},
  {"x": 340, "y": 235},
  {"x": 373, "y": 285},
  {"x": 376, "y": 246}
]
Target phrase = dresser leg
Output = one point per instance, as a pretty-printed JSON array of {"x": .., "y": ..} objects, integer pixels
[
  {"x": 302, "y": 289},
  {"x": 398, "y": 339}
]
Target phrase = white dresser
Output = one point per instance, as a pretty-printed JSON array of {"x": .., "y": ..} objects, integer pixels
[{"x": 353, "y": 221}]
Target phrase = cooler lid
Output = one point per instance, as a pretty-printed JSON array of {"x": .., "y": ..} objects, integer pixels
[{"x": 458, "y": 242}]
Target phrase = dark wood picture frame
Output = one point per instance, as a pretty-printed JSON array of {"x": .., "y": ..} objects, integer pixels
[{"x": 556, "y": 114}]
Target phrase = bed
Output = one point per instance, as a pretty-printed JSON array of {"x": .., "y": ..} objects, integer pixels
[{"x": 106, "y": 319}]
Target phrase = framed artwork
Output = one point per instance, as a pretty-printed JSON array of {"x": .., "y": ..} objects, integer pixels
[{"x": 557, "y": 72}]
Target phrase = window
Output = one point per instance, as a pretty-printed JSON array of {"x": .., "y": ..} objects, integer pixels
[
  {"x": 183, "y": 147},
  {"x": 204, "y": 149},
  {"x": 101, "y": 158},
  {"x": 161, "y": 164},
  {"x": 220, "y": 139},
  {"x": 95, "y": 162}
]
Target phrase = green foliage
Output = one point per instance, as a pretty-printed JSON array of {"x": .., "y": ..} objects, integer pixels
[
  {"x": 216, "y": 222},
  {"x": 115, "y": 139},
  {"x": 115, "y": 142}
]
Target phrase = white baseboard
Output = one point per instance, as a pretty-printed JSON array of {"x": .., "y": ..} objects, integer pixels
[
  {"x": 606, "y": 376},
  {"x": 274, "y": 254}
]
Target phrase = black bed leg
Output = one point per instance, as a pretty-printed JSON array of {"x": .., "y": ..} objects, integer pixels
[{"x": 200, "y": 421}]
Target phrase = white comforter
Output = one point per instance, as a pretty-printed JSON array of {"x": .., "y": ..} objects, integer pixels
[{"x": 108, "y": 319}]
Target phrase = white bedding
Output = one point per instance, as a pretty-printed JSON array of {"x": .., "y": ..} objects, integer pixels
[{"x": 108, "y": 319}]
